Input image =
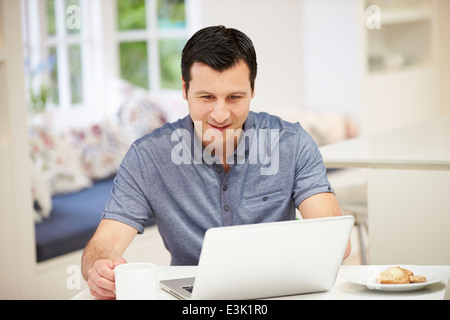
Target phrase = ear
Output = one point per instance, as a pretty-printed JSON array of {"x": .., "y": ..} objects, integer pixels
[{"x": 183, "y": 89}]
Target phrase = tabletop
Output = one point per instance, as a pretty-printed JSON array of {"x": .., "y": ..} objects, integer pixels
[
  {"x": 343, "y": 289},
  {"x": 420, "y": 146}
]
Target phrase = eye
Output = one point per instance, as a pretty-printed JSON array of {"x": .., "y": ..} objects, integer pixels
[
  {"x": 235, "y": 97},
  {"x": 206, "y": 97}
]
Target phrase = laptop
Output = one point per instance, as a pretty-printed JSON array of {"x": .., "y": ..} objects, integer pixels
[{"x": 267, "y": 260}]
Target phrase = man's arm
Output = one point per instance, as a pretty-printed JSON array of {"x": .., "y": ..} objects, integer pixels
[
  {"x": 103, "y": 252},
  {"x": 322, "y": 205}
]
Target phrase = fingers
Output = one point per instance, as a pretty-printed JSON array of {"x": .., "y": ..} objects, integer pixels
[
  {"x": 99, "y": 292},
  {"x": 118, "y": 261},
  {"x": 101, "y": 279}
]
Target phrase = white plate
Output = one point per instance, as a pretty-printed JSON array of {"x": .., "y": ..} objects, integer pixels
[{"x": 366, "y": 276}]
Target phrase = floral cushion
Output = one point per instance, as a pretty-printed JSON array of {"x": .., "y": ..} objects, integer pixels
[
  {"x": 59, "y": 163},
  {"x": 139, "y": 112},
  {"x": 70, "y": 160},
  {"x": 103, "y": 148}
]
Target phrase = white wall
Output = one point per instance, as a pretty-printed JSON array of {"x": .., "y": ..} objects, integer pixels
[
  {"x": 275, "y": 28},
  {"x": 330, "y": 56}
]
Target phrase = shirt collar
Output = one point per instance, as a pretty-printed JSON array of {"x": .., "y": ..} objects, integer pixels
[{"x": 197, "y": 148}]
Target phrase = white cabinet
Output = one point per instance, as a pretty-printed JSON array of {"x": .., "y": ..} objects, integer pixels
[
  {"x": 405, "y": 65},
  {"x": 404, "y": 38},
  {"x": 391, "y": 76}
]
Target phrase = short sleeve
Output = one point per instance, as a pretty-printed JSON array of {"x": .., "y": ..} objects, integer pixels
[
  {"x": 128, "y": 202},
  {"x": 310, "y": 172}
]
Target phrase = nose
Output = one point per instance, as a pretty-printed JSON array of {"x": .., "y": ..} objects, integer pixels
[{"x": 220, "y": 112}]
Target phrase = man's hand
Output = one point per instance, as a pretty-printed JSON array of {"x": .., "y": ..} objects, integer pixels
[
  {"x": 102, "y": 254},
  {"x": 101, "y": 278}
]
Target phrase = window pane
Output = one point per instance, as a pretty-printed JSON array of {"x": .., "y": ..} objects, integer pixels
[
  {"x": 76, "y": 79},
  {"x": 134, "y": 62},
  {"x": 170, "y": 59},
  {"x": 171, "y": 14},
  {"x": 53, "y": 73},
  {"x": 131, "y": 14},
  {"x": 51, "y": 21},
  {"x": 73, "y": 17}
]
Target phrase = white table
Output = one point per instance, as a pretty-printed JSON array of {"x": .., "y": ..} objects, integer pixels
[
  {"x": 408, "y": 184},
  {"x": 343, "y": 289}
]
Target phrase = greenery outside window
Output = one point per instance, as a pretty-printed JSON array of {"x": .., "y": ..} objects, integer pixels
[
  {"x": 56, "y": 43},
  {"x": 151, "y": 36}
]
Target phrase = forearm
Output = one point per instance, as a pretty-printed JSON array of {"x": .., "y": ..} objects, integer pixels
[
  {"x": 109, "y": 242},
  {"x": 95, "y": 250}
]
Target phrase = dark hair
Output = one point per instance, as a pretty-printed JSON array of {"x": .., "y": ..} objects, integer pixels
[{"x": 220, "y": 48}]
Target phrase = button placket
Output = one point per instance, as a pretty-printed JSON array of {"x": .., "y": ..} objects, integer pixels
[{"x": 225, "y": 200}]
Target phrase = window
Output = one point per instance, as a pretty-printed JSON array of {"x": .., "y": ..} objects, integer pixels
[
  {"x": 57, "y": 44},
  {"x": 151, "y": 35},
  {"x": 73, "y": 46}
]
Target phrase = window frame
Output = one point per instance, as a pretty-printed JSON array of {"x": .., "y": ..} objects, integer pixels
[
  {"x": 38, "y": 43},
  {"x": 152, "y": 35}
]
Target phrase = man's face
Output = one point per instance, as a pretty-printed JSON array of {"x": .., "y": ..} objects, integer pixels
[{"x": 220, "y": 101}]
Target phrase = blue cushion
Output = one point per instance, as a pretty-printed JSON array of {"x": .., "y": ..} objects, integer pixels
[{"x": 73, "y": 220}]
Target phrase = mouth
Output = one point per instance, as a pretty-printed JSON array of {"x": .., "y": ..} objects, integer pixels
[{"x": 220, "y": 128}]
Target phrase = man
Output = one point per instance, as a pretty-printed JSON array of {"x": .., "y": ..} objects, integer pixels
[{"x": 221, "y": 165}]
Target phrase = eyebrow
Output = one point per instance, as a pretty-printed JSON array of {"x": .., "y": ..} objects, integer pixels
[{"x": 201, "y": 92}]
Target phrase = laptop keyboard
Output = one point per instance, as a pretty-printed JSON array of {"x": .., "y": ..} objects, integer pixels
[{"x": 188, "y": 288}]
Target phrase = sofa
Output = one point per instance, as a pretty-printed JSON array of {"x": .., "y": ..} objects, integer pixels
[{"x": 72, "y": 221}]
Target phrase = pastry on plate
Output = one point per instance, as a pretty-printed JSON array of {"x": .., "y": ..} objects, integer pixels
[{"x": 398, "y": 275}]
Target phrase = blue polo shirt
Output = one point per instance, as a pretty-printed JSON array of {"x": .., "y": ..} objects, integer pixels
[{"x": 167, "y": 176}]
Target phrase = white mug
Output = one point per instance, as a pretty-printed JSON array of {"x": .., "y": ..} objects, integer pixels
[{"x": 136, "y": 281}]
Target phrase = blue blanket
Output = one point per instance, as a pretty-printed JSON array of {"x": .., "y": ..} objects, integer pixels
[{"x": 73, "y": 221}]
